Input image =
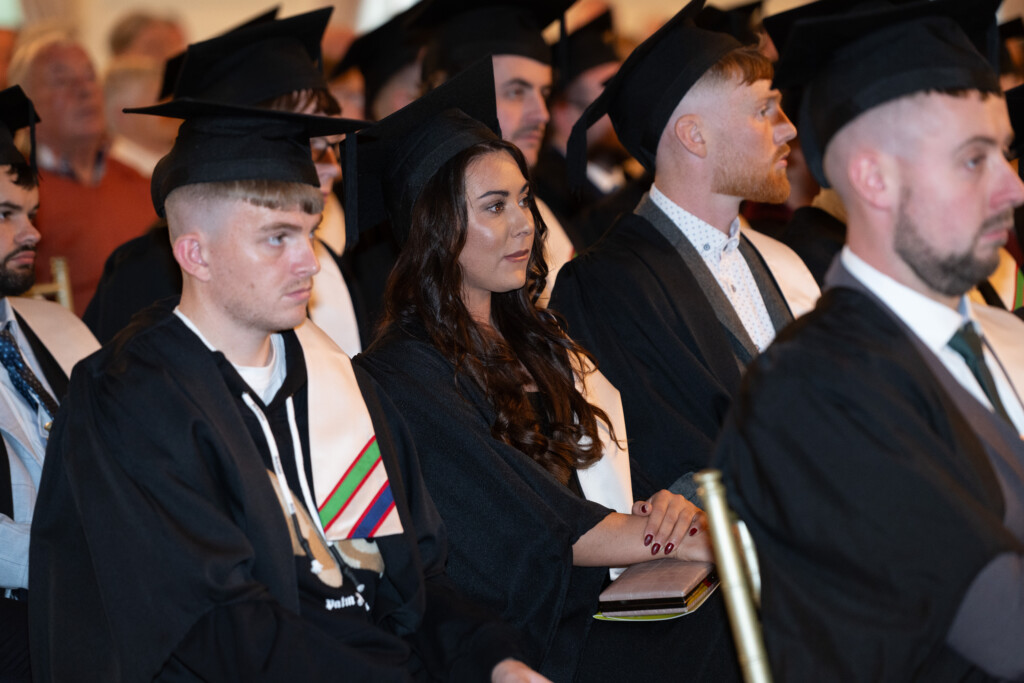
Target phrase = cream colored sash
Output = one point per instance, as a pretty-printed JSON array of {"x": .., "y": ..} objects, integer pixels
[
  {"x": 65, "y": 336},
  {"x": 352, "y": 492}
]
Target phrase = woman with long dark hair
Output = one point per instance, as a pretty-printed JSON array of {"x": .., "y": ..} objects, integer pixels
[{"x": 521, "y": 440}]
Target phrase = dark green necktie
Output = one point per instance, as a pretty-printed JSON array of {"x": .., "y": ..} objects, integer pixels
[{"x": 967, "y": 343}]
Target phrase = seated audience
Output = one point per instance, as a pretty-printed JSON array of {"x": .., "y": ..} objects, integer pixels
[
  {"x": 521, "y": 440},
  {"x": 144, "y": 34},
  {"x": 136, "y": 141},
  {"x": 89, "y": 203}
]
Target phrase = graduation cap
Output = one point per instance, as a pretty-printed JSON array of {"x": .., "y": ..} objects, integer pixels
[
  {"x": 172, "y": 68},
  {"x": 735, "y": 21},
  {"x": 464, "y": 31},
  {"x": 381, "y": 53},
  {"x": 592, "y": 44},
  {"x": 1014, "y": 28},
  {"x": 867, "y": 53},
  {"x": 221, "y": 143},
  {"x": 780, "y": 25},
  {"x": 400, "y": 153},
  {"x": 1009, "y": 30},
  {"x": 642, "y": 95},
  {"x": 16, "y": 112},
  {"x": 256, "y": 62}
]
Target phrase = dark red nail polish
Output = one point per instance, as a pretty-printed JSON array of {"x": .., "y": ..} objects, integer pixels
[
  {"x": 669, "y": 548},
  {"x": 643, "y": 508},
  {"x": 655, "y": 549},
  {"x": 650, "y": 537},
  {"x": 693, "y": 531}
]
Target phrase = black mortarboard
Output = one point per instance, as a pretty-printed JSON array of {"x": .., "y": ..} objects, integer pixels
[
  {"x": 400, "y": 153},
  {"x": 465, "y": 31},
  {"x": 172, "y": 69},
  {"x": 642, "y": 95},
  {"x": 256, "y": 62},
  {"x": 16, "y": 112},
  {"x": 736, "y": 21},
  {"x": 381, "y": 53},
  {"x": 221, "y": 143},
  {"x": 1014, "y": 28},
  {"x": 876, "y": 51},
  {"x": 592, "y": 44}
]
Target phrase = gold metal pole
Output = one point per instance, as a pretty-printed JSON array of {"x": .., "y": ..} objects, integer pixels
[{"x": 732, "y": 573}]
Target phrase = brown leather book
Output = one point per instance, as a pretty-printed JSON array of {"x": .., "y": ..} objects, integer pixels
[{"x": 659, "y": 587}]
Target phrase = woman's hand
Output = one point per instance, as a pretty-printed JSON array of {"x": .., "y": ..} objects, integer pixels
[{"x": 675, "y": 527}]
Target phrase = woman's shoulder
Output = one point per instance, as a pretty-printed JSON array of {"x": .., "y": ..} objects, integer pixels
[{"x": 402, "y": 350}]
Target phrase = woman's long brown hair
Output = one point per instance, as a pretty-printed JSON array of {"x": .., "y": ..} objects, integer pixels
[{"x": 527, "y": 346}]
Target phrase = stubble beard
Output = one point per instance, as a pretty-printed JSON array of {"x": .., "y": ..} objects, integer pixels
[
  {"x": 14, "y": 282},
  {"x": 736, "y": 177},
  {"x": 950, "y": 275}
]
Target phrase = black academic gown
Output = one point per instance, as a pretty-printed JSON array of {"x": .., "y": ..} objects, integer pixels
[
  {"x": 512, "y": 526},
  {"x": 675, "y": 355},
  {"x": 157, "y": 530},
  {"x": 816, "y": 236},
  {"x": 550, "y": 179},
  {"x": 869, "y": 496},
  {"x": 143, "y": 271}
]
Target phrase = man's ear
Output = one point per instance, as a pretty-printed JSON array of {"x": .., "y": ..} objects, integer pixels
[
  {"x": 689, "y": 130},
  {"x": 190, "y": 253},
  {"x": 874, "y": 176}
]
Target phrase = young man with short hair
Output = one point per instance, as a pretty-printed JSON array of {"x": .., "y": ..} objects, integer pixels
[
  {"x": 874, "y": 451},
  {"x": 227, "y": 498},
  {"x": 677, "y": 298}
]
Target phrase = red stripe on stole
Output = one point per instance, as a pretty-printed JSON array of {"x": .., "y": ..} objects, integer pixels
[
  {"x": 367, "y": 511},
  {"x": 356, "y": 490},
  {"x": 383, "y": 517},
  {"x": 341, "y": 479}
]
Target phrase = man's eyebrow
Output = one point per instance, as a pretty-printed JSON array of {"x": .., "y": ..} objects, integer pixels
[
  {"x": 280, "y": 225},
  {"x": 11, "y": 205},
  {"x": 518, "y": 81},
  {"x": 986, "y": 140}
]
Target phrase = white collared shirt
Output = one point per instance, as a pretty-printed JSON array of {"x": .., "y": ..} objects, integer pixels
[
  {"x": 25, "y": 440},
  {"x": 935, "y": 324},
  {"x": 724, "y": 260},
  {"x": 265, "y": 380}
]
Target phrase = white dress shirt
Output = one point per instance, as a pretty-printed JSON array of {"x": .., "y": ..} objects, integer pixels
[
  {"x": 935, "y": 324},
  {"x": 723, "y": 258},
  {"x": 24, "y": 437}
]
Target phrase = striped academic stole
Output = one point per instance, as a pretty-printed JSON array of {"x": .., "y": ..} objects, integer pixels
[{"x": 350, "y": 484}]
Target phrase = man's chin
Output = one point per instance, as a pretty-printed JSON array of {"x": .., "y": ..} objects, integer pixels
[{"x": 16, "y": 283}]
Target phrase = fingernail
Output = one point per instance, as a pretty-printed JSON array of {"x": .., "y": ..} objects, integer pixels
[
  {"x": 655, "y": 549},
  {"x": 693, "y": 531},
  {"x": 643, "y": 508},
  {"x": 648, "y": 539},
  {"x": 669, "y": 548}
]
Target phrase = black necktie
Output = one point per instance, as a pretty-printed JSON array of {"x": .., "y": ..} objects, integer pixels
[
  {"x": 967, "y": 343},
  {"x": 22, "y": 377}
]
